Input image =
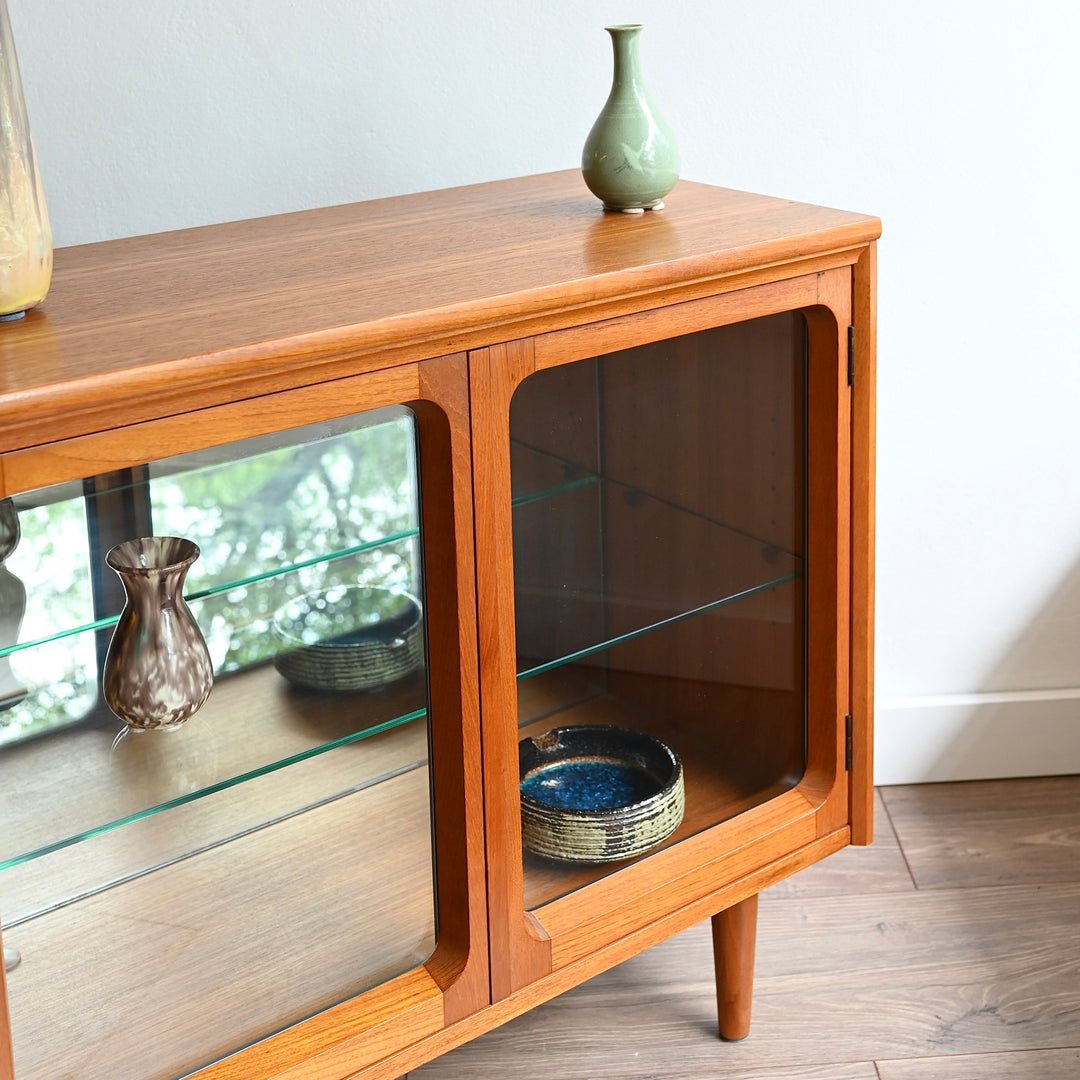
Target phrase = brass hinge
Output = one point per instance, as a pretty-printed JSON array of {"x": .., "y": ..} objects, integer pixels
[
  {"x": 851, "y": 356},
  {"x": 849, "y": 734}
]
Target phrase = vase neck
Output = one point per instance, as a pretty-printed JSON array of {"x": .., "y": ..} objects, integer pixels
[
  {"x": 154, "y": 566},
  {"x": 10, "y": 82},
  {"x": 159, "y": 588},
  {"x": 624, "y": 41}
]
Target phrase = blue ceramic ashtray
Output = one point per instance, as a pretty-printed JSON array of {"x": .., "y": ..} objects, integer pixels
[{"x": 598, "y": 793}]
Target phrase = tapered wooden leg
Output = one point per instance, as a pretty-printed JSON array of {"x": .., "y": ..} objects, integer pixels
[{"x": 734, "y": 933}]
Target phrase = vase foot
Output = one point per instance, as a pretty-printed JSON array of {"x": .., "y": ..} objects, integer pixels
[
  {"x": 658, "y": 205},
  {"x": 142, "y": 729},
  {"x": 11, "y": 316}
]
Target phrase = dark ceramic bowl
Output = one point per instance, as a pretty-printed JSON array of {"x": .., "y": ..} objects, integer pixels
[
  {"x": 349, "y": 637},
  {"x": 598, "y": 793}
]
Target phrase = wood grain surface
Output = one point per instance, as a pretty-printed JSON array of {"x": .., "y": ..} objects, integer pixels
[
  {"x": 1014, "y": 1065},
  {"x": 857, "y": 976},
  {"x": 734, "y": 934},
  {"x": 863, "y": 539},
  {"x": 880, "y": 868},
  {"x": 156, "y": 975},
  {"x": 148, "y": 325},
  {"x": 979, "y": 833}
]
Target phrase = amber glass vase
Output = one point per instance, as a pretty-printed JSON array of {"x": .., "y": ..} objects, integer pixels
[
  {"x": 26, "y": 253},
  {"x": 158, "y": 670}
]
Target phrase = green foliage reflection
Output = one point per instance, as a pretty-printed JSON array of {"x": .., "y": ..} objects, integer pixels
[{"x": 256, "y": 514}]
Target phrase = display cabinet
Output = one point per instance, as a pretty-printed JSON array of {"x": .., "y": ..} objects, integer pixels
[{"x": 575, "y": 468}]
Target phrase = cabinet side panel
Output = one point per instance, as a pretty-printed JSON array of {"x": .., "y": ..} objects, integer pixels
[
  {"x": 828, "y": 517},
  {"x": 863, "y": 436}
]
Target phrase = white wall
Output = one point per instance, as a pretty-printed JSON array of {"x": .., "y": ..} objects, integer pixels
[{"x": 954, "y": 120}]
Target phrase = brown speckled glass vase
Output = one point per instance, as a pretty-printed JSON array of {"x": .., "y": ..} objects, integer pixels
[{"x": 158, "y": 670}]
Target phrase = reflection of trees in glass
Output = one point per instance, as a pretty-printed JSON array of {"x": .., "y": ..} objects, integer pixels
[
  {"x": 254, "y": 520},
  {"x": 60, "y": 678},
  {"x": 254, "y": 517}
]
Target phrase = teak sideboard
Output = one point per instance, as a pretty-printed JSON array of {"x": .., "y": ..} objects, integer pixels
[{"x": 625, "y": 463}]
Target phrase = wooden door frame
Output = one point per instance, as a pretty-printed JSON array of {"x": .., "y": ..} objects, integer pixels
[
  {"x": 673, "y": 887},
  {"x": 453, "y": 982}
]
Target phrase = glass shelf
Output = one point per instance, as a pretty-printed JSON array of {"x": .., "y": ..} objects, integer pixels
[
  {"x": 65, "y": 872},
  {"x": 253, "y": 725},
  {"x": 229, "y": 588},
  {"x": 580, "y": 599},
  {"x": 652, "y": 628},
  {"x": 740, "y": 742},
  {"x": 254, "y": 722},
  {"x": 162, "y": 972}
]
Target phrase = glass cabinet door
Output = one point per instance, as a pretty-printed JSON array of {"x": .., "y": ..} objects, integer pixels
[
  {"x": 659, "y": 560},
  {"x": 170, "y": 897}
]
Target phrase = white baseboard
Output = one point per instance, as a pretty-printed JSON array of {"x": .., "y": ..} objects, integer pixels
[{"x": 977, "y": 736}]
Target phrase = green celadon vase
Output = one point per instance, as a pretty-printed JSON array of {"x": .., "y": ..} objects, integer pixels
[{"x": 630, "y": 160}]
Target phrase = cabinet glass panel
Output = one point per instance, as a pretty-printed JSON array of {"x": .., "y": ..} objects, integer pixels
[
  {"x": 659, "y": 544},
  {"x": 174, "y": 896}
]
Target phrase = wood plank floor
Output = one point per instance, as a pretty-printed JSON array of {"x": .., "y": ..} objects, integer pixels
[{"x": 949, "y": 950}]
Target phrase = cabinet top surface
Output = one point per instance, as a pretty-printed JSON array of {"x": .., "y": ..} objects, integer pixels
[{"x": 440, "y": 270}]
